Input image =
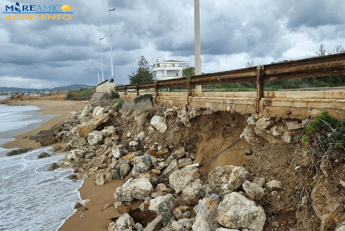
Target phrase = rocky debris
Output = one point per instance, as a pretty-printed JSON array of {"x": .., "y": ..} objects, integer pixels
[
  {"x": 56, "y": 148},
  {"x": 95, "y": 137},
  {"x": 85, "y": 112},
  {"x": 77, "y": 142},
  {"x": 97, "y": 111},
  {"x": 274, "y": 185},
  {"x": 193, "y": 192},
  {"x": 75, "y": 154},
  {"x": 43, "y": 155},
  {"x": 117, "y": 152},
  {"x": 47, "y": 138},
  {"x": 141, "y": 188},
  {"x": 179, "y": 153},
  {"x": 266, "y": 135},
  {"x": 102, "y": 178},
  {"x": 206, "y": 213},
  {"x": 253, "y": 191},
  {"x": 142, "y": 164},
  {"x": 249, "y": 135},
  {"x": 181, "y": 178},
  {"x": 293, "y": 124},
  {"x": 237, "y": 212},
  {"x": 18, "y": 151},
  {"x": 225, "y": 179},
  {"x": 159, "y": 123},
  {"x": 251, "y": 121},
  {"x": 124, "y": 193},
  {"x": 327, "y": 202},
  {"x": 171, "y": 168},
  {"x": 265, "y": 123},
  {"x": 108, "y": 131},
  {"x": 53, "y": 166},
  {"x": 85, "y": 128},
  {"x": 123, "y": 223},
  {"x": 165, "y": 208},
  {"x": 155, "y": 225},
  {"x": 121, "y": 169},
  {"x": 341, "y": 227},
  {"x": 259, "y": 181},
  {"x": 184, "y": 162}
]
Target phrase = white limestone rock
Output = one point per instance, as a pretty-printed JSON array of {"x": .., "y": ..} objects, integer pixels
[
  {"x": 124, "y": 193},
  {"x": 124, "y": 223},
  {"x": 225, "y": 179},
  {"x": 237, "y": 212},
  {"x": 141, "y": 188},
  {"x": 97, "y": 111},
  {"x": 108, "y": 131},
  {"x": 253, "y": 191},
  {"x": 159, "y": 123},
  {"x": 183, "y": 177},
  {"x": 75, "y": 154},
  {"x": 95, "y": 137},
  {"x": 274, "y": 185},
  {"x": 265, "y": 123},
  {"x": 193, "y": 192},
  {"x": 85, "y": 112},
  {"x": 206, "y": 212}
]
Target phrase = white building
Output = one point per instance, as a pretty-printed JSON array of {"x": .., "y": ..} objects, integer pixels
[{"x": 169, "y": 69}]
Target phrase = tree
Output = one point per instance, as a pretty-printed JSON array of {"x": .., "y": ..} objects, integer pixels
[
  {"x": 142, "y": 74},
  {"x": 189, "y": 71},
  {"x": 322, "y": 51},
  {"x": 250, "y": 64}
]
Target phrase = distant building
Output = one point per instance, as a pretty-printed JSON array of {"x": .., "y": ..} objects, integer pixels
[{"x": 169, "y": 69}]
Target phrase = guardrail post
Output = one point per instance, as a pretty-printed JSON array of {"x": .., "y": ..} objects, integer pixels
[
  {"x": 137, "y": 88},
  {"x": 156, "y": 91},
  {"x": 259, "y": 85},
  {"x": 125, "y": 89},
  {"x": 116, "y": 90},
  {"x": 189, "y": 86}
]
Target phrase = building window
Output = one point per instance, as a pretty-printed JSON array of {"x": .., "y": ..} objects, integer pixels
[
  {"x": 176, "y": 74},
  {"x": 158, "y": 65}
]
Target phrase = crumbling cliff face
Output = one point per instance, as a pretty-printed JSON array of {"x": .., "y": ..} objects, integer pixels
[{"x": 264, "y": 182}]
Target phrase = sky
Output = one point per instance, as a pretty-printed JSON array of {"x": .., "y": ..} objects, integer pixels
[{"x": 53, "y": 53}]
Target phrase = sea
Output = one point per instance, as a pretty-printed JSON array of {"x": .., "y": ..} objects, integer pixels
[{"x": 31, "y": 197}]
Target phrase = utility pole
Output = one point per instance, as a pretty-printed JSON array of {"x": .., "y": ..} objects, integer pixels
[
  {"x": 98, "y": 68},
  {"x": 197, "y": 54}
]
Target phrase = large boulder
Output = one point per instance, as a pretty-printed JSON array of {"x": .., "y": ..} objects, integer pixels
[
  {"x": 194, "y": 192},
  {"x": 85, "y": 128},
  {"x": 48, "y": 138},
  {"x": 225, "y": 179},
  {"x": 206, "y": 212},
  {"x": 327, "y": 202},
  {"x": 124, "y": 223},
  {"x": 108, "y": 131},
  {"x": 75, "y": 154},
  {"x": 85, "y": 112},
  {"x": 124, "y": 193},
  {"x": 121, "y": 169},
  {"x": 142, "y": 164},
  {"x": 265, "y": 123},
  {"x": 159, "y": 123},
  {"x": 181, "y": 178},
  {"x": 249, "y": 135},
  {"x": 102, "y": 178},
  {"x": 95, "y": 137},
  {"x": 77, "y": 142},
  {"x": 237, "y": 212},
  {"x": 141, "y": 188},
  {"x": 97, "y": 111}
]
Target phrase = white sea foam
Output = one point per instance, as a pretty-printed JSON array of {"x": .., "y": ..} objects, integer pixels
[{"x": 33, "y": 198}]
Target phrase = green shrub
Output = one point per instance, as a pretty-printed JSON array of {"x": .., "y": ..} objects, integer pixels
[
  {"x": 143, "y": 97},
  {"x": 118, "y": 106},
  {"x": 334, "y": 129},
  {"x": 114, "y": 95}
]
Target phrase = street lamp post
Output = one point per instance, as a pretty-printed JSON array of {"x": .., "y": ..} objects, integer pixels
[
  {"x": 197, "y": 48},
  {"x": 98, "y": 64},
  {"x": 111, "y": 45},
  {"x": 100, "y": 42}
]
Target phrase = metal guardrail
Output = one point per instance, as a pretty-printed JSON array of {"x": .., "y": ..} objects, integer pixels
[{"x": 330, "y": 65}]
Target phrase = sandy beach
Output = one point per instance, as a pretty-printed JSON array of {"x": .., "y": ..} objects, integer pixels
[
  {"x": 62, "y": 108},
  {"x": 96, "y": 218}
]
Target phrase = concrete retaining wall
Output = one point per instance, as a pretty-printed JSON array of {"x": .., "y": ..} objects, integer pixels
[{"x": 294, "y": 105}]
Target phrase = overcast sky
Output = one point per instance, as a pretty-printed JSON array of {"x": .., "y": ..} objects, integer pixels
[{"x": 39, "y": 54}]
